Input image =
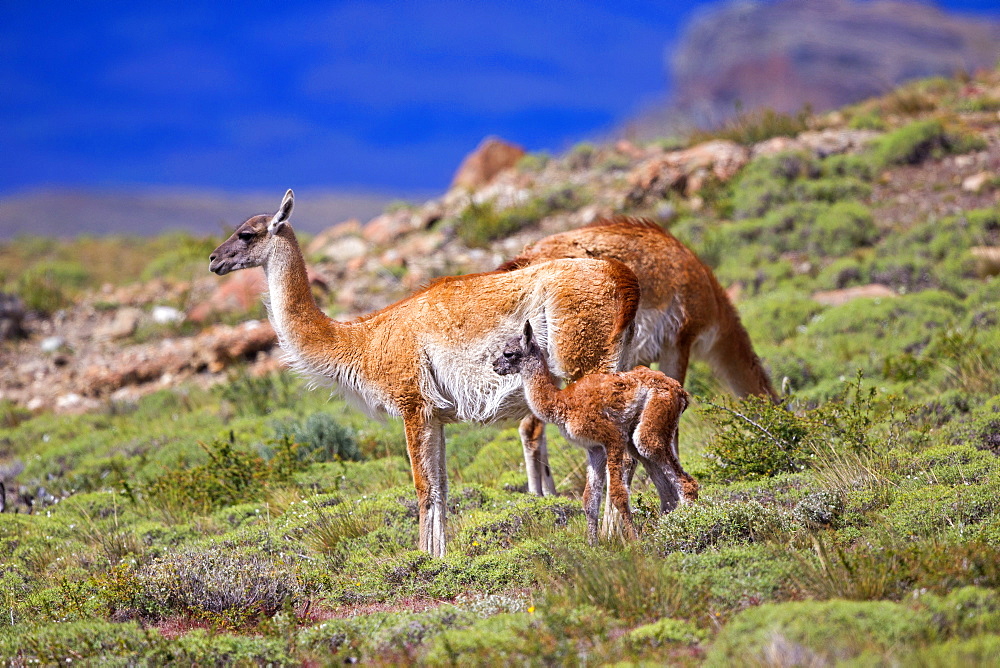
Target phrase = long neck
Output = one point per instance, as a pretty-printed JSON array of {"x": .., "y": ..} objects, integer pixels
[
  {"x": 540, "y": 389},
  {"x": 314, "y": 341},
  {"x": 292, "y": 303}
]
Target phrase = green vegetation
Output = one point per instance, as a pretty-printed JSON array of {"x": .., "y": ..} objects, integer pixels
[
  {"x": 755, "y": 126},
  {"x": 858, "y": 522},
  {"x": 48, "y": 273},
  {"x": 481, "y": 223}
]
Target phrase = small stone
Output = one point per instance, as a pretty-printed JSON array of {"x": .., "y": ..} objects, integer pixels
[
  {"x": 976, "y": 182},
  {"x": 52, "y": 343},
  {"x": 166, "y": 315}
]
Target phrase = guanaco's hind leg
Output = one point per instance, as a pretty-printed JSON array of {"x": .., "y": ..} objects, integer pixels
[
  {"x": 425, "y": 446},
  {"x": 536, "y": 457}
]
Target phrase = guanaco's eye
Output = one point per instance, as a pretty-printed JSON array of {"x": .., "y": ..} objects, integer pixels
[
  {"x": 246, "y": 235},
  {"x": 510, "y": 355}
]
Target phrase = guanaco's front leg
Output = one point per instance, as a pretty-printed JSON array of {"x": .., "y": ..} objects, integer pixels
[{"x": 425, "y": 446}]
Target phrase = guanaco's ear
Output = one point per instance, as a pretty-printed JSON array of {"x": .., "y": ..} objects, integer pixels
[
  {"x": 527, "y": 332},
  {"x": 284, "y": 213}
]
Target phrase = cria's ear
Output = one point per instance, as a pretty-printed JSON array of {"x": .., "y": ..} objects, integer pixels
[
  {"x": 527, "y": 332},
  {"x": 284, "y": 213}
]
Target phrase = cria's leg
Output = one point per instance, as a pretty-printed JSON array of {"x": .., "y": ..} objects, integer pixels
[
  {"x": 593, "y": 490},
  {"x": 536, "y": 457},
  {"x": 613, "y": 523},
  {"x": 617, "y": 489},
  {"x": 425, "y": 446}
]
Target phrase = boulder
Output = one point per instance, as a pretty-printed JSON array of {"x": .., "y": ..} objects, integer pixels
[
  {"x": 686, "y": 171},
  {"x": 390, "y": 226},
  {"x": 238, "y": 292},
  {"x": 212, "y": 350},
  {"x": 491, "y": 157}
]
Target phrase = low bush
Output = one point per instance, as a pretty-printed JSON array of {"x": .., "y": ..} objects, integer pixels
[
  {"x": 817, "y": 632},
  {"x": 918, "y": 141},
  {"x": 226, "y": 582},
  {"x": 319, "y": 438},
  {"x": 231, "y": 475},
  {"x": 697, "y": 527}
]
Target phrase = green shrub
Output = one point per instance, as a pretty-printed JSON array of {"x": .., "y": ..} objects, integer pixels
[
  {"x": 481, "y": 223},
  {"x": 184, "y": 257},
  {"x": 764, "y": 183},
  {"x": 226, "y": 582},
  {"x": 963, "y": 613},
  {"x": 499, "y": 528},
  {"x": 320, "y": 438},
  {"x": 667, "y": 631},
  {"x": 977, "y": 651},
  {"x": 68, "y": 642},
  {"x": 777, "y": 316},
  {"x": 842, "y": 228},
  {"x": 918, "y": 141},
  {"x": 700, "y": 526},
  {"x": 230, "y": 476},
  {"x": 258, "y": 395},
  {"x": 533, "y": 162},
  {"x": 755, "y": 438},
  {"x": 41, "y": 289},
  {"x": 546, "y": 637}
]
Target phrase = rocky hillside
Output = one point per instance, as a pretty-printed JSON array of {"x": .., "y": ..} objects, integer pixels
[
  {"x": 117, "y": 341},
  {"x": 791, "y": 53}
]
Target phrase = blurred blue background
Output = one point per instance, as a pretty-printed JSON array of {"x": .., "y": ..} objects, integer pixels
[{"x": 365, "y": 96}]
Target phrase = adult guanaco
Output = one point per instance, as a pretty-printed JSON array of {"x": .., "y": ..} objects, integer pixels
[
  {"x": 683, "y": 312},
  {"x": 609, "y": 414},
  {"x": 428, "y": 358}
]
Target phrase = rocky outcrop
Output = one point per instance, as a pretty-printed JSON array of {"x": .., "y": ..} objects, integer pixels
[
  {"x": 480, "y": 167},
  {"x": 211, "y": 350},
  {"x": 686, "y": 171}
]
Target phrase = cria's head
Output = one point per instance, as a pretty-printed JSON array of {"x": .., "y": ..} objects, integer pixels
[
  {"x": 250, "y": 245},
  {"x": 516, "y": 351}
]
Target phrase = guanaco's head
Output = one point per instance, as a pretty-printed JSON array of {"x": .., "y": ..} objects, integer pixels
[
  {"x": 519, "y": 353},
  {"x": 250, "y": 245}
]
